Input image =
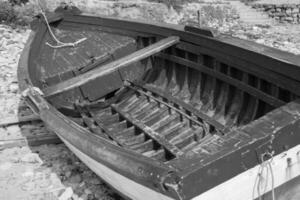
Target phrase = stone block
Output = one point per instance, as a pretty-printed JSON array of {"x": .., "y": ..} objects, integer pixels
[
  {"x": 296, "y": 10},
  {"x": 289, "y": 19},
  {"x": 272, "y": 10},
  {"x": 281, "y": 14},
  {"x": 293, "y": 6},
  {"x": 269, "y": 6}
]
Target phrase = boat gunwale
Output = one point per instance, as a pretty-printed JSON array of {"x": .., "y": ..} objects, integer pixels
[{"x": 260, "y": 55}]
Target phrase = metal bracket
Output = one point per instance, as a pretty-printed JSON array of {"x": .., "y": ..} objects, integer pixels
[
  {"x": 265, "y": 150},
  {"x": 172, "y": 183}
]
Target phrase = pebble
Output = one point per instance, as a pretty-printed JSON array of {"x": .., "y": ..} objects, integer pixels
[
  {"x": 75, "y": 197},
  {"x": 14, "y": 159},
  {"x": 14, "y": 88},
  {"x": 88, "y": 191},
  {"x": 94, "y": 181},
  {"x": 84, "y": 197},
  {"x": 28, "y": 173},
  {"x": 68, "y": 174},
  {"x": 75, "y": 179},
  {"x": 67, "y": 194},
  {"x": 5, "y": 166},
  {"x": 260, "y": 41},
  {"x": 31, "y": 158}
]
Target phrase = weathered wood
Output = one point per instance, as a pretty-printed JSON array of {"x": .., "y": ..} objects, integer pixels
[
  {"x": 180, "y": 112},
  {"x": 111, "y": 67},
  {"x": 18, "y": 120},
  {"x": 186, "y": 106},
  {"x": 263, "y": 56},
  {"x": 249, "y": 67},
  {"x": 150, "y": 132},
  {"x": 239, "y": 84},
  {"x": 30, "y": 141}
]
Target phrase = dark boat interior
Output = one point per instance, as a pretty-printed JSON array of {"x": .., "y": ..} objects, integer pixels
[{"x": 176, "y": 103}]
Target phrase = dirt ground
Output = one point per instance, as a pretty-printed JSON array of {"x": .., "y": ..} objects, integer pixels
[{"x": 52, "y": 171}]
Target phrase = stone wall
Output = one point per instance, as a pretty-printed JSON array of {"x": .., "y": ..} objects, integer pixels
[{"x": 289, "y": 13}]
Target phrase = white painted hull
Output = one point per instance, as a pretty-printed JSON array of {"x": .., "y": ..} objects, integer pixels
[
  {"x": 239, "y": 187},
  {"x": 126, "y": 186}
]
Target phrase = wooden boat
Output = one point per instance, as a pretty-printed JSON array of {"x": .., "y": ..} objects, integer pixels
[{"x": 167, "y": 112}]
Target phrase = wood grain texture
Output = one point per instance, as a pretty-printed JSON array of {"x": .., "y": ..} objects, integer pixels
[{"x": 111, "y": 67}]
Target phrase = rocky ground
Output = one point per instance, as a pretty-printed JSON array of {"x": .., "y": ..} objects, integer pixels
[
  {"x": 281, "y": 36},
  {"x": 48, "y": 172},
  {"x": 52, "y": 171}
]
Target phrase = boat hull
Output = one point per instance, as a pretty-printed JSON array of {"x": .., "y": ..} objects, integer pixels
[
  {"x": 125, "y": 186},
  {"x": 248, "y": 110},
  {"x": 242, "y": 187},
  {"x": 286, "y": 178}
]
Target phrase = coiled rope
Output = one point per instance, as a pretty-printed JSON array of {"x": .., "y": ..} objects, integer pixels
[
  {"x": 60, "y": 44},
  {"x": 265, "y": 165}
]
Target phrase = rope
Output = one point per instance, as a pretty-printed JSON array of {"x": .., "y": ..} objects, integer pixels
[
  {"x": 265, "y": 165},
  {"x": 60, "y": 44},
  {"x": 272, "y": 176}
]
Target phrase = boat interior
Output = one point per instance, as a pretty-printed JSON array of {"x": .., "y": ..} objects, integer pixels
[{"x": 176, "y": 103}]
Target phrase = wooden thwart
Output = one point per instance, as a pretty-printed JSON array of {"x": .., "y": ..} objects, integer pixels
[{"x": 111, "y": 67}]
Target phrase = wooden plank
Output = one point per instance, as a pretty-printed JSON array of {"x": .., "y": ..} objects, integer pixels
[
  {"x": 199, "y": 31},
  {"x": 18, "y": 120},
  {"x": 111, "y": 67},
  {"x": 235, "y": 82},
  {"x": 30, "y": 141},
  {"x": 197, "y": 113},
  {"x": 265, "y": 57},
  {"x": 109, "y": 134},
  {"x": 180, "y": 112},
  {"x": 150, "y": 132},
  {"x": 249, "y": 67}
]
